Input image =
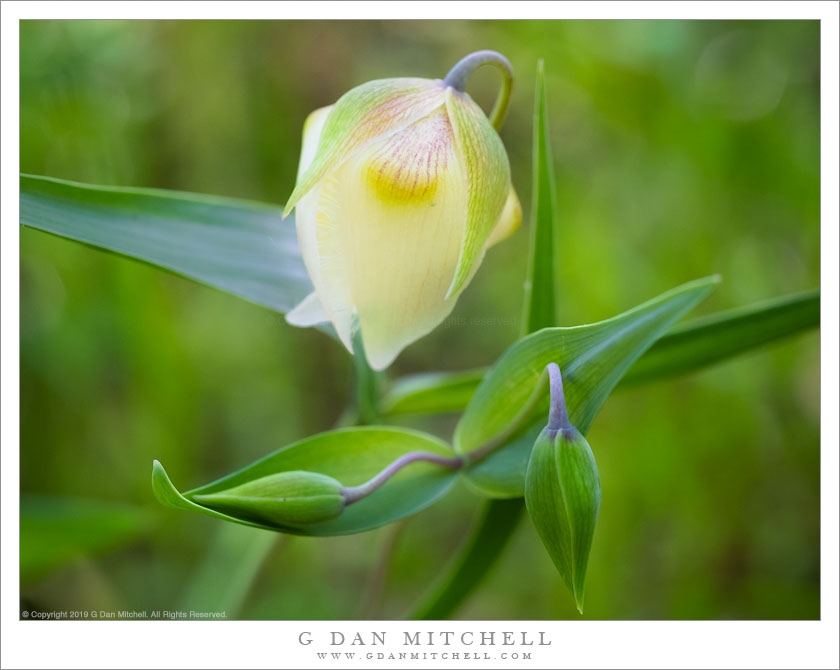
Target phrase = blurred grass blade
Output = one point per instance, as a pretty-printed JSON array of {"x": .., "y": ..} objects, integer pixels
[
  {"x": 692, "y": 346},
  {"x": 715, "y": 338},
  {"x": 352, "y": 456},
  {"x": 222, "y": 581},
  {"x": 592, "y": 358},
  {"x": 57, "y": 531},
  {"x": 497, "y": 523},
  {"x": 540, "y": 289},
  {"x": 240, "y": 247}
]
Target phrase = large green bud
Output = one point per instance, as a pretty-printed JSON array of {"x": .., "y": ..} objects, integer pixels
[{"x": 291, "y": 499}]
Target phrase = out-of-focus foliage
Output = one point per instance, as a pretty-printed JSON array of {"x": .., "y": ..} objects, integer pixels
[{"x": 682, "y": 149}]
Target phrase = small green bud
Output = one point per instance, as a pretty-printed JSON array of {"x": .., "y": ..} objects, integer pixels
[
  {"x": 563, "y": 494},
  {"x": 288, "y": 499}
]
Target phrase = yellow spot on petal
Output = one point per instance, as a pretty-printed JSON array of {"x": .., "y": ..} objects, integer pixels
[{"x": 406, "y": 167}]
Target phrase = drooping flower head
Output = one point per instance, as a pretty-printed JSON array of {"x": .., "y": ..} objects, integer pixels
[{"x": 402, "y": 186}]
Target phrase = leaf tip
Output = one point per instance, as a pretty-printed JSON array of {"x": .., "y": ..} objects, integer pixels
[{"x": 162, "y": 486}]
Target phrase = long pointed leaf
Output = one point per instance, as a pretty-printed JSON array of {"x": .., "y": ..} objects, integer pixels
[
  {"x": 692, "y": 346},
  {"x": 240, "y": 247},
  {"x": 715, "y": 338},
  {"x": 540, "y": 292}
]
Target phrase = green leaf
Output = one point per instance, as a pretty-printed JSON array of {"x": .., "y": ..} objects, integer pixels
[
  {"x": 240, "y": 247},
  {"x": 724, "y": 335},
  {"x": 563, "y": 495},
  {"x": 692, "y": 346},
  {"x": 540, "y": 291},
  {"x": 431, "y": 393},
  {"x": 57, "y": 531},
  {"x": 352, "y": 456},
  {"x": 592, "y": 359}
]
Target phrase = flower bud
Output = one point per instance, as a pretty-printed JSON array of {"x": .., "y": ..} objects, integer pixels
[
  {"x": 403, "y": 185},
  {"x": 289, "y": 499},
  {"x": 563, "y": 491},
  {"x": 563, "y": 495}
]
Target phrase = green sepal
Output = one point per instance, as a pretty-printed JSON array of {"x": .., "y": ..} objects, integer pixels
[
  {"x": 295, "y": 498},
  {"x": 563, "y": 495},
  {"x": 485, "y": 164},
  {"x": 369, "y": 111}
]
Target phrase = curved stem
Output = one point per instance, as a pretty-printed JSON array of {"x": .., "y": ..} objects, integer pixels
[
  {"x": 558, "y": 416},
  {"x": 558, "y": 419},
  {"x": 355, "y": 493},
  {"x": 457, "y": 79}
]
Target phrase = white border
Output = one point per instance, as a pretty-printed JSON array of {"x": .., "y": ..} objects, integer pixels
[{"x": 273, "y": 644}]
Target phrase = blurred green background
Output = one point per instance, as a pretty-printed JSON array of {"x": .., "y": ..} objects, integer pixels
[{"x": 682, "y": 148}]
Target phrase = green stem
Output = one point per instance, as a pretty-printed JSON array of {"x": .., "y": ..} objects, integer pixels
[
  {"x": 558, "y": 416},
  {"x": 458, "y": 75},
  {"x": 367, "y": 382}
]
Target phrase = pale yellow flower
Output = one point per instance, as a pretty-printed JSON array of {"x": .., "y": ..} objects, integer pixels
[{"x": 403, "y": 184}]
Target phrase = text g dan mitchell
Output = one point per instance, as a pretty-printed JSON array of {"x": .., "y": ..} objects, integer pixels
[{"x": 428, "y": 639}]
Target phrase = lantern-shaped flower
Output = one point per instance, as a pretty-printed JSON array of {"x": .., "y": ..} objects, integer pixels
[{"x": 403, "y": 184}]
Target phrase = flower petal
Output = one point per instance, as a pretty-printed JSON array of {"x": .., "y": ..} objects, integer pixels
[
  {"x": 487, "y": 170},
  {"x": 390, "y": 222},
  {"x": 308, "y": 312},
  {"x": 363, "y": 114}
]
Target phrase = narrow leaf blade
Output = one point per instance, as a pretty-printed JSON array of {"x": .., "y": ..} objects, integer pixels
[
  {"x": 492, "y": 532},
  {"x": 540, "y": 292},
  {"x": 240, "y": 247},
  {"x": 715, "y": 338},
  {"x": 686, "y": 348}
]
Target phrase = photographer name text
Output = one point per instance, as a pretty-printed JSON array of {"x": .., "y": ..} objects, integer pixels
[{"x": 427, "y": 639}]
